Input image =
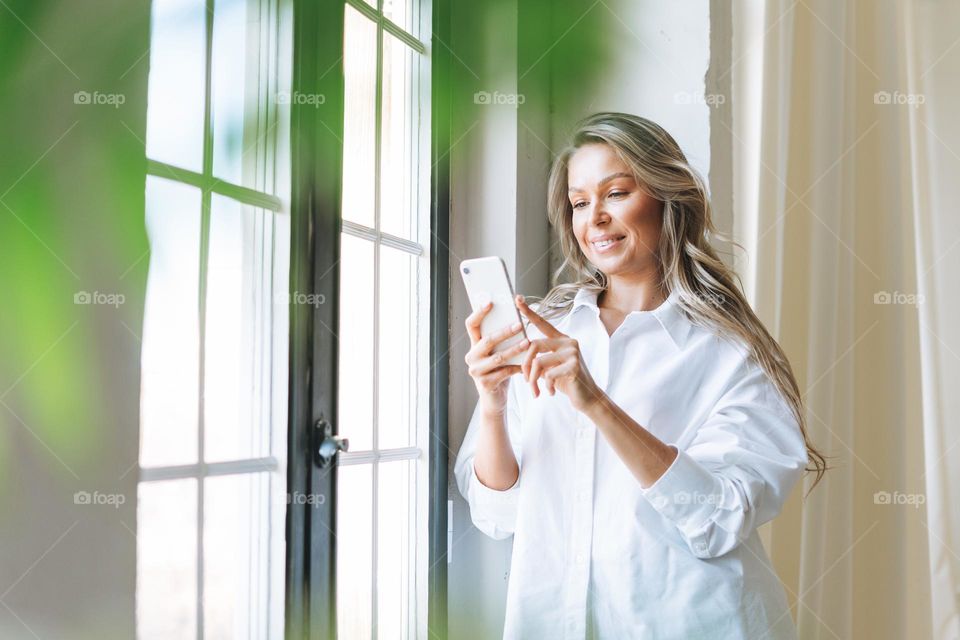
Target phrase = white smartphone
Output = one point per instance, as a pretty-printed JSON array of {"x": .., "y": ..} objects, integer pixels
[{"x": 486, "y": 279}]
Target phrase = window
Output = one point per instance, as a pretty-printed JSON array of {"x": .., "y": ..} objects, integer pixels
[
  {"x": 384, "y": 323},
  {"x": 250, "y": 131},
  {"x": 212, "y": 494}
]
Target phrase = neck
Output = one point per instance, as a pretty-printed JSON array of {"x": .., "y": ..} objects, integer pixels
[{"x": 632, "y": 294}]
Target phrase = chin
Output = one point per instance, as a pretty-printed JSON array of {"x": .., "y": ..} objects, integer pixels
[{"x": 618, "y": 265}]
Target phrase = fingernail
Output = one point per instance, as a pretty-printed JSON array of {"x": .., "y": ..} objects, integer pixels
[
  {"x": 516, "y": 325},
  {"x": 525, "y": 344}
]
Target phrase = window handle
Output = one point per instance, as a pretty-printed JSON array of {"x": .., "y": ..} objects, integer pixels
[{"x": 327, "y": 444}]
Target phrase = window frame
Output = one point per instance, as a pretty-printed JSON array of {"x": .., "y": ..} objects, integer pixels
[{"x": 317, "y": 167}]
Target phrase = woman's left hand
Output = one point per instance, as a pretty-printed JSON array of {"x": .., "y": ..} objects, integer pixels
[{"x": 562, "y": 366}]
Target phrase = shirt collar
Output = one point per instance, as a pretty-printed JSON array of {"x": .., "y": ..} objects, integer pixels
[{"x": 669, "y": 314}]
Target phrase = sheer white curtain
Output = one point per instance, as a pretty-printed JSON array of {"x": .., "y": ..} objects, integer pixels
[
  {"x": 847, "y": 157},
  {"x": 932, "y": 67}
]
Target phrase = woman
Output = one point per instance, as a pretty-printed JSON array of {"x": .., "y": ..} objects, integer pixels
[{"x": 634, "y": 494}]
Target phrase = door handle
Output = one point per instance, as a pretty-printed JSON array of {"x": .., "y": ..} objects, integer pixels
[{"x": 327, "y": 444}]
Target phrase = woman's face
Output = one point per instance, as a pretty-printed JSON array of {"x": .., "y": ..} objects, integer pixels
[{"x": 609, "y": 204}]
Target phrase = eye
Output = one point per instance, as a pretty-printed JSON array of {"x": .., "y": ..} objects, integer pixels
[
  {"x": 579, "y": 205},
  {"x": 617, "y": 194}
]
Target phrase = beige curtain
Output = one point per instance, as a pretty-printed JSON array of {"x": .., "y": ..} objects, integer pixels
[{"x": 847, "y": 150}]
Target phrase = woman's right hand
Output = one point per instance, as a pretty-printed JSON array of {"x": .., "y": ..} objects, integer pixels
[{"x": 487, "y": 369}]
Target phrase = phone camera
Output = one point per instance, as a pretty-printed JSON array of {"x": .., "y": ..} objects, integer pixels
[{"x": 466, "y": 270}]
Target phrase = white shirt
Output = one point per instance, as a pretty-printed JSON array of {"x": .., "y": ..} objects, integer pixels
[{"x": 597, "y": 556}]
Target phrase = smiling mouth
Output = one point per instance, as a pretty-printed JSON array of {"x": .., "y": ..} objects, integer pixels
[{"x": 606, "y": 245}]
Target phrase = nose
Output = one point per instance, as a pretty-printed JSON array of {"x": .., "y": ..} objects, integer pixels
[{"x": 598, "y": 213}]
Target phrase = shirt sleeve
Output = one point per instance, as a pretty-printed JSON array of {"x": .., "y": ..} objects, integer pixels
[
  {"x": 737, "y": 471},
  {"x": 493, "y": 512}
]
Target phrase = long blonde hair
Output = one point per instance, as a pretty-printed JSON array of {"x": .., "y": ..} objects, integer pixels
[{"x": 688, "y": 263}]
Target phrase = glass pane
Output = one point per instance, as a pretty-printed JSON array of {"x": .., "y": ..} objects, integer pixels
[
  {"x": 236, "y": 409},
  {"x": 234, "y": 89},
  {"x": 245, "y": 97},
  {"x": 167, "y": 559},
  {"x": 359, "y": 127},
  {"x": 401, "y": 13},
  {"x": 355, "y": 384},
  {"x": 242, "y": 540},
  {"x": 398, "y": 348},
  {"x": 176, "y": 87},
  {"x": 395, "y": 536},
  {"x": 354, "y": 552},
  {"x": 169, "y": 355},
  {"x": 398, "y": 169}
]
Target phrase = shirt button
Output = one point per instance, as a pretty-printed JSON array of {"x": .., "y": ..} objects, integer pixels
[
  {"x": 579, "y": 558},
  {"x": 660, "y": 502},
  {"x": 700, "y": 547},
  {"x": 581, "y": 433},
  {"x": 582, "y": 495}
]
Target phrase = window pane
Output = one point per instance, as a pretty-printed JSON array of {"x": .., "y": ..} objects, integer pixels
[
  {"x": 398, "y": 347},
  {"x": 246, "y": 90},
  {"x": 359, "y": 127},
  {"x": 354, "y": 552},
  {"x": 169, "y": 356},
  {"x": 176, "y": 87},
  {"x": 355, "y": 382},
  {"x": 235, "y": 90},
  {"x": 167, "y": 559},
  {"x": 401, "y": 13},
  {"x": 395, "y": 536},
  {"x": 237, "y": 404},
  {"x": 398, "y": 169},
  {"x": 242, "y": 539}
]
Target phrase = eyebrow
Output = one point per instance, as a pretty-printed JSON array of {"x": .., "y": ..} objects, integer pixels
[{"x": 610, "y": 177}]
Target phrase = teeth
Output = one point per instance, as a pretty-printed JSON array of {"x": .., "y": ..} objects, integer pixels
[{"x": 604, "y": 243}]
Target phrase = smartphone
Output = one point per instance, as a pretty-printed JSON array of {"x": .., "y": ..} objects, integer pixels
[{"x": 486, "y": 279}]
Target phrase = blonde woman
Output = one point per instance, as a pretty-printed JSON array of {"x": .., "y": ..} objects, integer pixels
[{"x": 655, "y": 424}]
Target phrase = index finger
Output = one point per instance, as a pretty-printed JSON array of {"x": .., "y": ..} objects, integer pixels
[{"x": 545, "y": 327}]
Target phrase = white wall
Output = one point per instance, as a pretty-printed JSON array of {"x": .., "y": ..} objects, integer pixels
[{"x": 644, "y": 57}]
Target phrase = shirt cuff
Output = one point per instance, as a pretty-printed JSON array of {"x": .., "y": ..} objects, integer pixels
[
  {"x": 687, "y": 493},
  {"x": 493, "y": 501}
]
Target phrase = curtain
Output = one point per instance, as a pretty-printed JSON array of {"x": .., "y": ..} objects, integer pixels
[{"x": 846, "y": 198}]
